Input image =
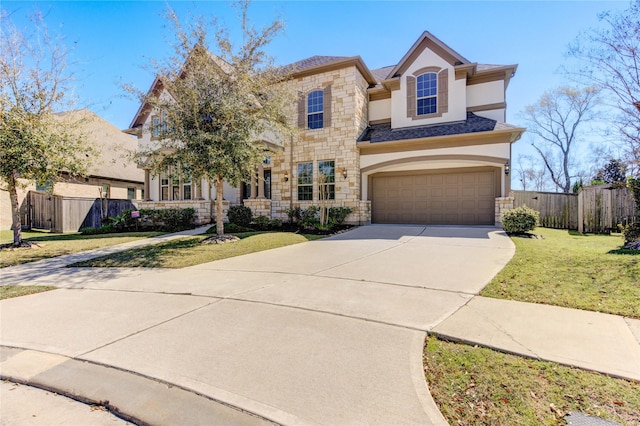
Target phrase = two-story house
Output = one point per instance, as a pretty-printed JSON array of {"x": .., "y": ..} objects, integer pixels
[{"x": 424, "y": 141}]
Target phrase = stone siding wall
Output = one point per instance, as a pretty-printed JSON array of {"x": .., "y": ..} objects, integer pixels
[
  {"x": 503, "y": 204},
  {"x": 205, "y": 210},
  {"x": 259, "y": 206},
  {"x": 336, "y": 142}
]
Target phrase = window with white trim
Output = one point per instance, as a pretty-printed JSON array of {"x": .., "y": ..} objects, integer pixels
[
  {"x": 315, "y": 109},
  {"x": 427, "y": 93},
  {"x": 327, "y": 179},
  {"x": 305, "y": 181}
]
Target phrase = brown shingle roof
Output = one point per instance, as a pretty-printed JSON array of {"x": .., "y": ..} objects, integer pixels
[
  {"x": 384, "y": 132},
  {"x": 314, "y": 61},
  {"x": 382, "y": 73}
]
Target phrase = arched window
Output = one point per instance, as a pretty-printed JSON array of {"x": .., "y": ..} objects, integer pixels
[
  {"x": 427, "y": 93},
  {"x": 315, "y": 109}
]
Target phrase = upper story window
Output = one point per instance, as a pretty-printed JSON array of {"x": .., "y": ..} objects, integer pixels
[
  {"x": 158, "y": 126},
  {"x": 315, "y": 109},
  {"x": 427, "y": 93}
]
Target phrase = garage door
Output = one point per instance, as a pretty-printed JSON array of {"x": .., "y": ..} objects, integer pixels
[{"x": 460, "y": 198}]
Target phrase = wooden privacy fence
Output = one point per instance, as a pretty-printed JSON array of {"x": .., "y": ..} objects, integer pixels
[
  {"x": 69, "y": 214},
  {"x": 557, "y": 210},
  {"x": 44, "y": 211},
  {"x": 595, "y": 209}
]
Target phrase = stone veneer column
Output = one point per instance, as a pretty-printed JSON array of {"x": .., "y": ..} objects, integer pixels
[
  {"x": 254, "y": 189},
  {"x": 147, "y": 179},
  {"x": 197, "y": 189},
  {"x": 260, "y": 180}
]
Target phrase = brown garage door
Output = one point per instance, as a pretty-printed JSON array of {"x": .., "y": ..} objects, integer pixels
[{"x": 454, "y": 198}]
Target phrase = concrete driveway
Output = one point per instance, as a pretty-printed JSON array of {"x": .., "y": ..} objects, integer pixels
[{"x": 326, "y": 332}]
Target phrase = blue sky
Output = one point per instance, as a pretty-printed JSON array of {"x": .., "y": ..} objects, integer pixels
[{"x": 114, "y": 40}]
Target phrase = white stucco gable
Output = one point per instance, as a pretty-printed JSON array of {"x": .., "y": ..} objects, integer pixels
[{"x": 462, "y": 86}]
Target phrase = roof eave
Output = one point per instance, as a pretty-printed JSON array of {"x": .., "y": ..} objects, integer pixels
[
  {"x": 510, "y": 135},
  {"x": 341, "y": 63}
]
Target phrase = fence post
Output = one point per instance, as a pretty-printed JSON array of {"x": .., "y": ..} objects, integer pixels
[{"x": 581, "y": 211}]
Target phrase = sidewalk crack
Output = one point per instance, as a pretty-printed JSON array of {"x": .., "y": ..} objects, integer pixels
[{"x": 150, "y": 327}]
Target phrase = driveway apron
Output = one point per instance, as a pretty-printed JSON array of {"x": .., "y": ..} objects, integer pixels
[{"x": 326, "y": 332}]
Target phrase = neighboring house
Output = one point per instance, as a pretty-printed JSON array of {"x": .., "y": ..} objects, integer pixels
[
  {"x": 112, "y": 175},
  {"x": 423, "y": 141}
]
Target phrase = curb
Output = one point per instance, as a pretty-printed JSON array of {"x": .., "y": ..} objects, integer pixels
[{"x": 130, "y": 396}]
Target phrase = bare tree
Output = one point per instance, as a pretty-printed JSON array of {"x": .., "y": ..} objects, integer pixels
[
  {"x": 610, "y": 58},
  {"x": 219, "y": 103},
  {"x": 531, "y": 173},
  {"x": 556, "y": 121},
  {"x": 36, "y": 143}
]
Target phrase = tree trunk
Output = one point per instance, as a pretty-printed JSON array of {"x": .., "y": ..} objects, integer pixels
[
  {"x": 15, "y": 211},
  {"x": 219, "y": 212}
]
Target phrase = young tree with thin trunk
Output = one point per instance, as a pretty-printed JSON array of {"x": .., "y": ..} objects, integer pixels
[
  {"x": 610, "y": 59},
  {"x": 556, "y": 121},
  {"x": 36, "y": 142},
  {"x": 218, "y": 104}
]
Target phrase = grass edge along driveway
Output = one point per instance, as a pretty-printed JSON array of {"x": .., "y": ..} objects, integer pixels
[
  {"x": 474, "y": 385},
  {"x": 188, "y": 251},
  {"x": 571, "y": 270},
  {"x": 53, "y": 245}
]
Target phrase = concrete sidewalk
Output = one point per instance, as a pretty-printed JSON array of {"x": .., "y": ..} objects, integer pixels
[
  {"x": 608, "y": 344},
  {"x": 14, "y": 275}
]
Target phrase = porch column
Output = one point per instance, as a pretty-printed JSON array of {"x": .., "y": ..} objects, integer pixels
[
  {"x": 260, "y": 180},
  {"x": 197, "y": 189},
  {"x": 254, "y": 184},
  {"x": 147, "y": 179}
]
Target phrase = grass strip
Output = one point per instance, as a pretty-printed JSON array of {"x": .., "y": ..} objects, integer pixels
[
  {"x": 189, "y": 251},
  {"x": 48, "y": 245},
  {"x": 474, "y": 386},
  {"x": 572, "y": 270},
  {"x": 9, "y": 291}
]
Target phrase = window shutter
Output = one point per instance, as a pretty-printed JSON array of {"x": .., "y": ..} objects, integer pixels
[
  {"x": 326, "y": 99},
  {"x": 443, "y": 91},
  {"x": 302, "y": 109},
  {"x": 411, "y": 96}
]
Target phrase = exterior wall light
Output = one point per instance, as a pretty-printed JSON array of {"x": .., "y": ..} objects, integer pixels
[
  {"x": 344, "y": 172},
  {"x": 507, "y": 168},
  {"x": 286, "y": 176}
]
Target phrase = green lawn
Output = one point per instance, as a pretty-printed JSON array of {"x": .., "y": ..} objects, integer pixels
[
  {"x": 9, "y": 291},
  {"x": 475, "y": 386},
  {"x": 188, "y": 251},
  {"x": 52, "y": 245},
  {"x": 572, "y": 270}
]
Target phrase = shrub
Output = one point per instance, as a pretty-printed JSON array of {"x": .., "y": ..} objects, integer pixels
[
  {"x": 170, "y": 220},
  {"x": 293, "y": 213},
  {"x": 275, "y": 224},
  {"x": 309, "y": 217},
  {"x": 230, "y": 228},
  {"x": 634, "y": 187},
  {"x": 337, "y": 215},
  {"x": 520, "y": 220},
  {"x": 261, "y": 222},
  {"x": 177, "y": 219},
  {"x": 104, "y": 229},
  {"x": 631, "y": 232},
  {"x": 240, "y": 215}
]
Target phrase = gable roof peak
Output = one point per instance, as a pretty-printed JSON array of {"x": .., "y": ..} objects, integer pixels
[{"x": 428, "y": 40}]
